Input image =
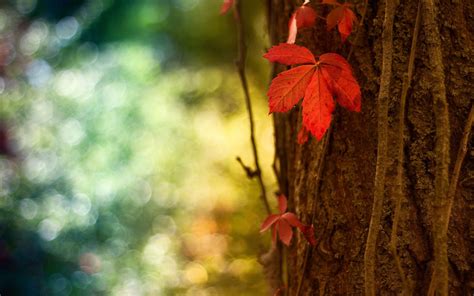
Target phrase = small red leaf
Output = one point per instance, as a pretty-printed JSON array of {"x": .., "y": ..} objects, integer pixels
[
  {"x": 289, "y": 87},
  {"x": 318, "y": 105},
  {"x": 344, "y": 18},
  {"x": 305, "y": 17},
  {"x": 226, "y": 5},
  {"x": 289, "y": 54},
  {"x": 284, "y": 231},
  {"x": 346, "y": 23},
  {"x": 269, "y": 221},
  {"x": 308, "y": 233},
  {"x": 333, "y": 2},
  {"x": 334, "y": 17}
]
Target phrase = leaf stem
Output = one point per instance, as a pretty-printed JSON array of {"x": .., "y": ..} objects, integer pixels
[{"x": 358, "y": 30}]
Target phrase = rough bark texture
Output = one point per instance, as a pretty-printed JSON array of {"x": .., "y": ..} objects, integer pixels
[{"x": 343, "y": 199}]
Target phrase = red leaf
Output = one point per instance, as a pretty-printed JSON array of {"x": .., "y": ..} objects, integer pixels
[
  {"x": 345, "y": 25},
  {"x": 303, "y": 17},
  {"x": 308, "y": 233},
  {"x": 282, "y": 203},
  {"x": 334, "y": 17},
  {"x": 281, "y": 224},
  {"x": 338, "y": 73},
  {"x": 318, "y": 105},
  {"x": 289, "y": 87},
  {"x": 269, "y": 221},
  {"x": 319, "y": 83},
  {"x": 284, "y": 231},
  {"x": 226, "y": 5},
  {"x": 344, "y": 18},
  {"x": 289, "y": 54}
]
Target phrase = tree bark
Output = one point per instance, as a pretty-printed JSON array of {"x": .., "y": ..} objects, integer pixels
[{"x": 340, "y": 199}]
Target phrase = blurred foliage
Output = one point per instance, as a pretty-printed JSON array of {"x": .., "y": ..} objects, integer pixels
[{"x": 119, "y": 126}]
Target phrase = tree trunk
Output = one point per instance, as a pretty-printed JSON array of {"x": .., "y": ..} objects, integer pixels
[{"x": 333, "y": 184}]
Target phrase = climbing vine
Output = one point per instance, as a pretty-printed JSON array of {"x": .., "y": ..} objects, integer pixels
[{"x": 317, "y": 84}]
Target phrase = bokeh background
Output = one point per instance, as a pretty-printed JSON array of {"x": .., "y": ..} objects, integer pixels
[{"x": 120, "y": 122}]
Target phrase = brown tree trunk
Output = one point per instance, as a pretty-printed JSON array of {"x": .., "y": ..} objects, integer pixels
[{"x": 334, "y": 185}]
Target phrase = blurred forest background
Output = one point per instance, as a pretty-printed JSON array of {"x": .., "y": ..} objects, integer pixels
[{"x": 120, "y": 122}]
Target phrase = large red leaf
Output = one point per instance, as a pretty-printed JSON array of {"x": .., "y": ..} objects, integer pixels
[
  {"x": 320, "y": 83},
  {"x": 289, "y": 87},
  {"x": 318, "y": 105},
  {"x": 289, "y": 54}
]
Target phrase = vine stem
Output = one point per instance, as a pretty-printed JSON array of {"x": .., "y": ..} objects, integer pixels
[
  {"x": 366, "y": 2},
  {"x": 457, "y": 166},
  {"x": 435, "y": 278},
  {"x": 407, "y": 285},
  {"x": 440, "y": 276},
  {"x": 309, "y": 248},
  {"x": 382, "y": 147},
  {"x": 240, "y": 63}
]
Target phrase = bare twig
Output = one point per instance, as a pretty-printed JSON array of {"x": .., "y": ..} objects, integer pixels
[
  {"x": 309, "y": 248},
  {"x": 440, "y": 276},
  {"x": 240, "y": 63},
  {"x": 382, "y": 147},
  {"x": 248, "y": 170},
  {"x": 407, "y": 285},
  {"x": 457, "y": 166}
]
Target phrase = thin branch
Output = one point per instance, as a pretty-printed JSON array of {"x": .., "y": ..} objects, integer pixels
[
  {"x": 248, "y": 170},
  {"x": 457, "y": 166},
  {"x": 240, "y": 63},
  {"x": 407, "y": 285},
  {"x": 382, "y": 147},
  {"x": 309, "y": 248},
  {"x": 358, "y": 30},
  {"x": 440, "y": 276}
]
